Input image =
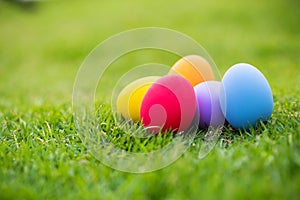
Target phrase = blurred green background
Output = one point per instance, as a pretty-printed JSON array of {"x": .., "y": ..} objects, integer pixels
[{"x": 42, "y": 46}]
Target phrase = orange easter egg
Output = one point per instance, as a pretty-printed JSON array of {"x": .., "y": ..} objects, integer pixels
[{"x": 193, "y": 68}]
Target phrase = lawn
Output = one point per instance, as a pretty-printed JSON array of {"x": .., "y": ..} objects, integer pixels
[{"x": 42, "y": 48}]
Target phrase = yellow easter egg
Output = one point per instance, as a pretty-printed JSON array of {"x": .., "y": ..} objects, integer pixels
[
  {"x": 130, "y": 98},
  {"x": 194, "y": 68}
]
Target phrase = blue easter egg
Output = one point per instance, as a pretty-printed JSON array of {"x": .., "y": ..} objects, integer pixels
[{"x": 246, "y": 96}]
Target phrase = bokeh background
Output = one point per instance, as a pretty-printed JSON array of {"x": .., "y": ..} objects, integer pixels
[{"x": 43, "y": 43}]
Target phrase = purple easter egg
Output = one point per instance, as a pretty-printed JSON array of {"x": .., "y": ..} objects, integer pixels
[{"x": 208, "y": 104}]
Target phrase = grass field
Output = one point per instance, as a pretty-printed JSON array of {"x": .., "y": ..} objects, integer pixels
[{"x": 42, "y": 48}]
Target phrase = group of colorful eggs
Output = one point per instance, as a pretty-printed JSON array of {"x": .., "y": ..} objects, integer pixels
[{"x": 189, "y": 92}]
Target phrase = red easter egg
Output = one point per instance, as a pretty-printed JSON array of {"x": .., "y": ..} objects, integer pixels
[{"x": 170, "y": 103}]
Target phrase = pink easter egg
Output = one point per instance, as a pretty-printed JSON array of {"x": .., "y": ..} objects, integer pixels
[
  {"x": 169, "y": 104},
  {"x": 208, "y": 103}
]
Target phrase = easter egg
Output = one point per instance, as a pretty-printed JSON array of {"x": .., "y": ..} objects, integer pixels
[
  {"x": 169, "y": 104},
  {"x": 194, "y": 68},
  {"x": 246, "y": 96},
  {"x": 208, "y": 102},
  {"x": 130, "y": 98}
]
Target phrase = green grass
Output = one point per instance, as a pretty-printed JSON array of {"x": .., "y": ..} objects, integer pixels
[{"x": 41, "y": 154}]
